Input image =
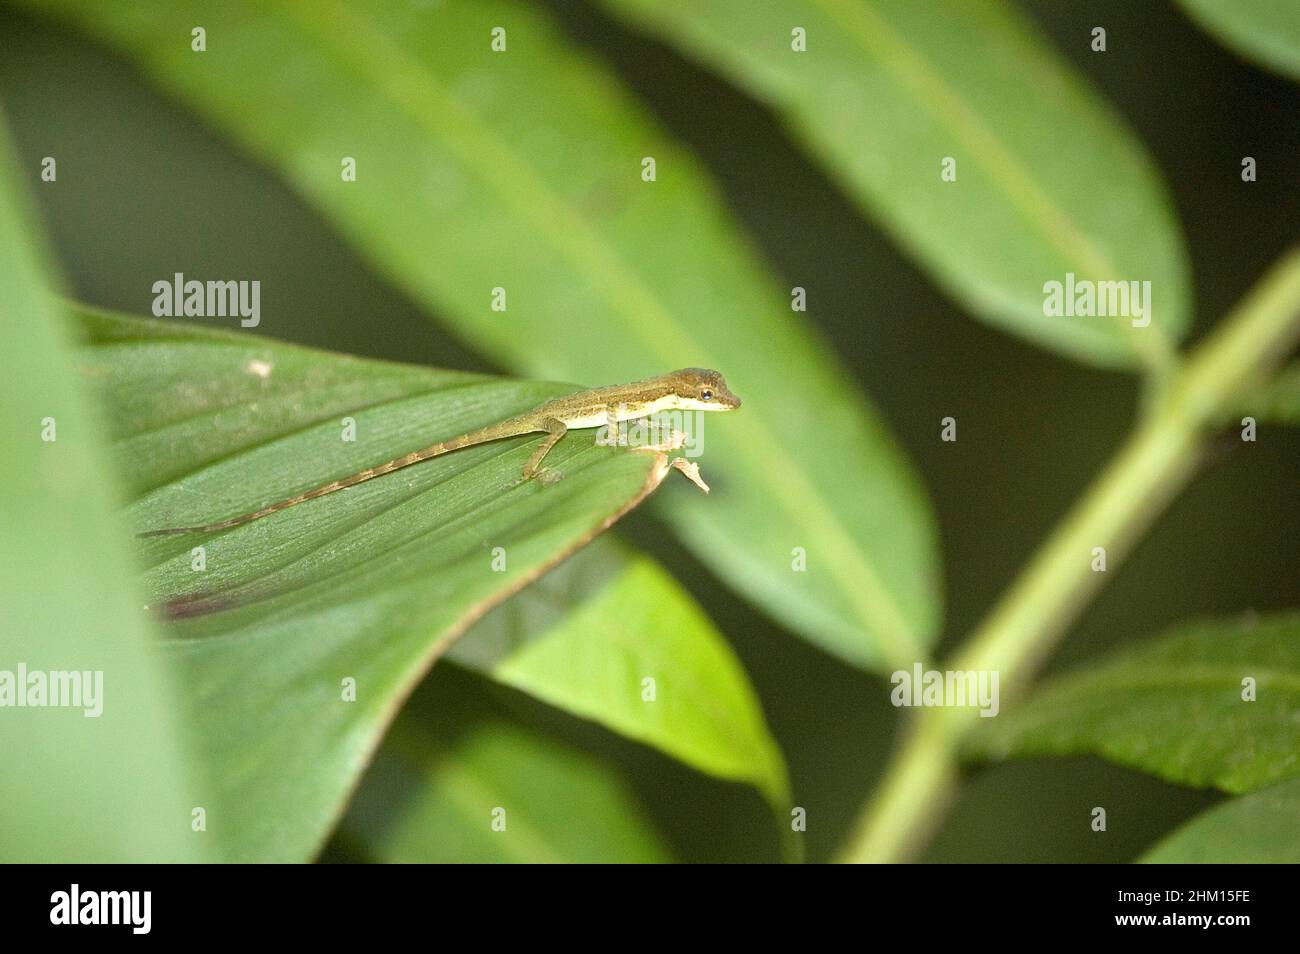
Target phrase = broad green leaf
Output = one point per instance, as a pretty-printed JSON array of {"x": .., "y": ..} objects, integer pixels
[
  {"x": 1049, "y": 180},
  {"x": 587, "y": 638},
  {"x": 436, "y": 788},
  {"x": 1174, "y": 707},
  {"x": 105, "y": 780},
  {"x": 522, "y": 170},
  {"x": 273, "y": 622},
  {"x": 1260, "y": 828},
  {"x": 1267, "y": 31}
]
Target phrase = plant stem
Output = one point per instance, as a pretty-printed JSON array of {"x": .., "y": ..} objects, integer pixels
[{"x": 1024, "y": 626}]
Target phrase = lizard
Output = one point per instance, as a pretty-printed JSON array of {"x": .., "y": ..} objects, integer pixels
[{"x": 690, "y": 389}]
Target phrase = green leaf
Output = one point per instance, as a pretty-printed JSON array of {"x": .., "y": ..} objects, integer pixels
[
  {"x": 110, "y": 787},
  {"x": 1049, "y": 180},
  {"x": 371, "y": 584},
  {"x": 1266, "y": 31},
  {"x": 1173, "y": 707},
  {"x": 583, "y": 637},
  {"x": 522, "y": 170},
  {"x": 586, "y": 637},
  {"x": 431, "y": 795},
  {"x": 1260, "y": 828}
]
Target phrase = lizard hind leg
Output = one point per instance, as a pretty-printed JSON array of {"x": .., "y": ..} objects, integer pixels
[{"x": 555, "y": 429}]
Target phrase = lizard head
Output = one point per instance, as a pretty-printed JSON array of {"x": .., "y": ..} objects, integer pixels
[{"x": 699, "y": 389}]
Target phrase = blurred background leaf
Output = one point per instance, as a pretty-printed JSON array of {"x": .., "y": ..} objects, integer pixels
[
  {"x": 1266, "y": 31},
  {"x": 452, "y": 758},
  {"x": 1173, "y": 707},
  {"x": 73, "y": 788},
  {"x": 1260, "y": 828},
  {"x": 522, "y": 170},
  {"x": 1049, "y": 179},
  {"x": 370, "y": 584},
  {"x": 587, "y": 635}
]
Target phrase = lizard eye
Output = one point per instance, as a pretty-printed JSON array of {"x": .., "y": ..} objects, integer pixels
[{"x": 706, "y": 395}]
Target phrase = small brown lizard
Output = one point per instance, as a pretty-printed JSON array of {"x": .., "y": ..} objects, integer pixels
[{"x": 691, "y": 389}]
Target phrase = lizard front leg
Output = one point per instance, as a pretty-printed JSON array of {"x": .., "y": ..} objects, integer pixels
[{"x": 609, "y": 434}]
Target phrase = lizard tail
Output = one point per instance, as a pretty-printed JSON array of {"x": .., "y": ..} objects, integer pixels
[{"x": 397, "y": 463}]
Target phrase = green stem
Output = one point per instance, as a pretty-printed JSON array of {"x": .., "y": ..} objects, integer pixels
[{"x": 1149, "y": 470}]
